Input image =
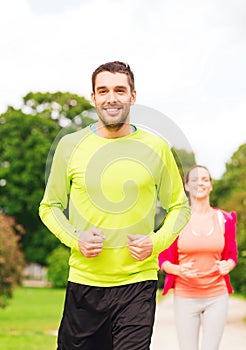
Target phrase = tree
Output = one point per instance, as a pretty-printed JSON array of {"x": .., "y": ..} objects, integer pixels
[
  {"x": 63, "y": 107},
  {"x": 237, "y": 203},
  {"x": 11, "y": 259},
  {"x": 25, "y": 142},
  {"x": 233, "y": 180},
  {"x": 58, "y": 267},
  {"x": 230, "y": 194},
  {"x": 27, "y": 136},
  {"x": 184, "y": 160}
]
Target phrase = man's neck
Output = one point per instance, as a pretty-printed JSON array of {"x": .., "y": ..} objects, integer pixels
[{"x": 114, "y": 131}]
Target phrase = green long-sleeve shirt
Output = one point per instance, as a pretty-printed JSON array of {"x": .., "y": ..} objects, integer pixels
[{"x": 113, "y": 184}]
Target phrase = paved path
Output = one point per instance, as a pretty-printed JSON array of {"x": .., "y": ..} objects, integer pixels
[{"x": 234, "y": 337}]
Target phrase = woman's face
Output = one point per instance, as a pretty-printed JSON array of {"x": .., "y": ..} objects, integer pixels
[{"x": 199, "y": 184}]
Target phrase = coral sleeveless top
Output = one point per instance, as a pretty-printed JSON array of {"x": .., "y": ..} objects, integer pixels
[{"x": 203, "y": 250}]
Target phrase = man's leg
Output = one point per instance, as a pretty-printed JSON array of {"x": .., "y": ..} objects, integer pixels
[
  {"x": 85, "y": 323},
  {"x": 133, "y": 312}
]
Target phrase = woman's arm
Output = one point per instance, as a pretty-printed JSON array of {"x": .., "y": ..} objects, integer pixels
[
  {"x": 170, "y": 268},
  {"x": 181, "y": 270},
  {"x": 226, "y": 266}
]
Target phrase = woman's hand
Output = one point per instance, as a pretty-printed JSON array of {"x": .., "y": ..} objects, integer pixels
[
  {"x": 187, "y": 270},
  {"x": 225, "y": 266},
  {"x": 182, "y": 270}
]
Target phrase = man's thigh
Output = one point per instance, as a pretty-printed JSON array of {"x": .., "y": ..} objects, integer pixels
[
  {"x": 86, "y": 323},
  {"x": 115, "y": 318},
  {"x": 133, "y": 315}
]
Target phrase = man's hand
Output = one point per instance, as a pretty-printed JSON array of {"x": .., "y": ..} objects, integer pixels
[
  {"x": 140, "y": 246},
  {"x": 91, "y": 242}
]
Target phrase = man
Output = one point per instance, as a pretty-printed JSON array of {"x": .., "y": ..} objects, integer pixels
[{"x": 111, "y": 175}]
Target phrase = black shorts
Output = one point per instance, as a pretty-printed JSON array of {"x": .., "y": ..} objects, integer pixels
[{"x": 115, "y": 318}]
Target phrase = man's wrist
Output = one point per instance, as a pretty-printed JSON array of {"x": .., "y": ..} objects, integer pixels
[{"x": 78, "y": 232}]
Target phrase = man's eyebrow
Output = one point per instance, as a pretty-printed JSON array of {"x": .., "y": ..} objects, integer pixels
[
  {"x": 116, "y": 87},
  {"x": 101, "y": 87}
]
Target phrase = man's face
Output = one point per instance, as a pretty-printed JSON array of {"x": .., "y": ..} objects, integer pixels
[{"x": 113, "y": 98}]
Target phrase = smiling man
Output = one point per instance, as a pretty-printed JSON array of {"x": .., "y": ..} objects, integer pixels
[
  {"x": 113, "y": 94},
  {"x": 113, "y": 97},
  {"x": 110, "y": 176}
]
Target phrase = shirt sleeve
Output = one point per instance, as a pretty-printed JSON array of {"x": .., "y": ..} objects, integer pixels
[
  {"x": 230, "y": 250},
  {"x": 174, "y": 200},
  {"x": 170, "y": 254},
  {"x": 55, "y": 200}
]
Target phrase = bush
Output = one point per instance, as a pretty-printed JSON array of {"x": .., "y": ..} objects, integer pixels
[
  {"x": 11, "y": 259},
  {"x": 161, "y": 279},
  {"x": 238, "y": 274},
  {"x": 58, "y": 267}
]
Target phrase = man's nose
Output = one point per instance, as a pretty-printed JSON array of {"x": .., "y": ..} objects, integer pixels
[{"x": 111, "y": 98}]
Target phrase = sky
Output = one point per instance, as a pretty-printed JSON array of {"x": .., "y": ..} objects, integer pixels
[{"x": 188, "y": 58}]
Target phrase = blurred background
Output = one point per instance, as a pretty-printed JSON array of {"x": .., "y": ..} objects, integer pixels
[{"x": 189, "y": 64}]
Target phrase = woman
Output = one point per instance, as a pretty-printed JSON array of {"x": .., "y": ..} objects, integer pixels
[{"x": 197, "y": 266}]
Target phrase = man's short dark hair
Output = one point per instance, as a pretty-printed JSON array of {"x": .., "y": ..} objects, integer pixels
[{"x": 114, "y": 67}]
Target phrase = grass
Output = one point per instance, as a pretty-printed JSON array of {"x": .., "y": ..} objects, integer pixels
[
  {"x": 31, "y": 319},
  {"x": 159, "y": 296}
]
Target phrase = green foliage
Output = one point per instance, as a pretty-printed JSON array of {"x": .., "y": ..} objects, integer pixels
[
  {"x": 230, "y": 194},
  {"x": 237, "y": 202},
  {"x": 39, "y": 244},
  {"x": 11, "y": 259},
  {"x": 184, "y": 160},
  {"x": 25, "y": 142},
  {"x": 161, "y": 279},
  {"x": 58, "y": 267},
  {"x": 27, "y": 137},
  {"x": 238, "y": 275},
  {"x": 61, "y": 106},
  {"x": 234, "y": 179}
]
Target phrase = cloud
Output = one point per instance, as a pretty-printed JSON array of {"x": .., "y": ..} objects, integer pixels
[
  {"x": 54, "y": 6},
  {"x": 188, "y": 58}
]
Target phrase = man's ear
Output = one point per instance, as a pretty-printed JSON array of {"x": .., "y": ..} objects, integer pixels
[
  {"x": 133, "y": 97},
  {"x": 93, "y": 98}
]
